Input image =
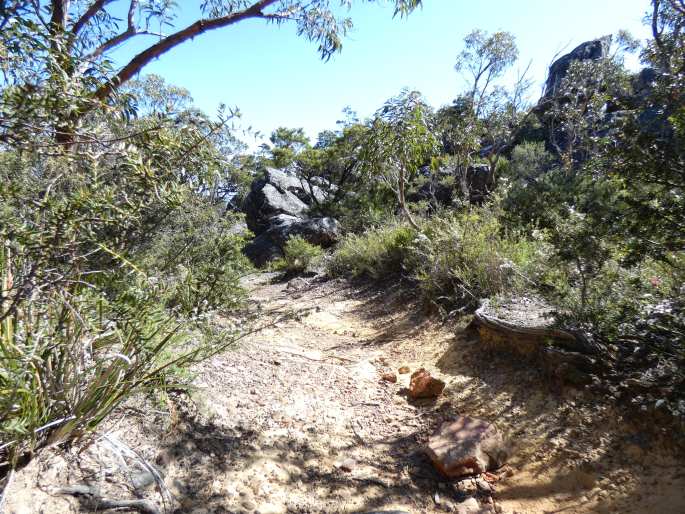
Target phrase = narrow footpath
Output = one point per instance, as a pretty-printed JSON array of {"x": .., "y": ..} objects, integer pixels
[{"x": 299, "y": 419}]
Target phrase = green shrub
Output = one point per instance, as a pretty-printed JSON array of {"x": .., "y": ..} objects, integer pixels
[
  {"x": 298, "y": 255},
  {"x": 90, "y": 244},
  {"x": 197, "y": 255},
  {"x": 68, "y": 357},
  {"x": 376, "y": 253},
  {"x": 455, "y": 259},
  {"x": 464, "y": 257}
]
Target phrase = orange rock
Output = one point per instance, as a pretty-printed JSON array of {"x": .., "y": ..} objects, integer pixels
[
  {"x": 403, "y": 370},
  {"x": 389, "y": 377},
  {"x": 423, "y": 385},
  {"x": 489, "y": 477}
]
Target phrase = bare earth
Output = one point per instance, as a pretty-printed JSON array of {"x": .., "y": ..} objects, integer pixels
[{"x": 298, "y": 420}]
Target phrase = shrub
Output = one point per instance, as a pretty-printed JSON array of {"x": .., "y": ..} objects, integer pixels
[
  {"x": 376, "y": 253},
  {"x": 82, "y": 326},
  {"x": 298, "y": 255},
  {"x": 197, "y": 256},
  {"x": 462, "y": 258},
  {"x": 455, "y": 259},
  {"x": 69, "y": 356}
]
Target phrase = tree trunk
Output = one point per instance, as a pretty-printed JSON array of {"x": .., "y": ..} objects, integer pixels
[{"x": 403, "y": 202}]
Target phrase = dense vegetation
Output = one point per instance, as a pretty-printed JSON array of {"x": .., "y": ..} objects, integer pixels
[
  {"x": 115, "y": 241},
  {"x": 119, "y": 203},
  {"x": 576, "y": 198}
]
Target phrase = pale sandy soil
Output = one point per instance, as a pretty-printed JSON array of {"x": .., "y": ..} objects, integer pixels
[{"x": 297, "y": 420}]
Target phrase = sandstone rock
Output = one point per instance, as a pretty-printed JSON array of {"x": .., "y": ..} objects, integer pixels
[
  {"x": 403, "y": 370},
  {"x": 389, "y": 377},
  {"x": 423, "y": 385},
  {"x": 466, "y": 446},
  {"x": 279, "y": 192},
  {"x": 262, "y": 249},
  {"x": 484, "y": 486},
  {"x": 265, "y": 201},
  {"x": 346, "y": 465},
  {"x": 269, "y": 245}
]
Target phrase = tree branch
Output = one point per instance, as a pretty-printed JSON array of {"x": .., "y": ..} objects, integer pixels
[
  {"x": 58, "y": 17},
  {"x": 119, "y": 38},
  {"x": 89, "y": 14},
  {"x": 656, "y": 33},
  {"x": 163, "y": 46}
]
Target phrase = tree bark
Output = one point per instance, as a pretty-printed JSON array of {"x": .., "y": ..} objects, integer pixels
[{"x": 89, "y": 14}]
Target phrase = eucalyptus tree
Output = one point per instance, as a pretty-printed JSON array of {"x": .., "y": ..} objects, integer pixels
[
  {"x": 402, "y": 140},
  {"x": 286, "y": 145},
  {"x": 489, "y": 111},
  {"x": 63, "y": 48},
  {"x": 484, "y": 59}
]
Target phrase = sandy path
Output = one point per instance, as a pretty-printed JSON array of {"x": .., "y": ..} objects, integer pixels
[{"x": 297, "y": 420}]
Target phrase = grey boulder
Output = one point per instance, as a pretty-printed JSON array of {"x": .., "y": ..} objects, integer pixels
[
  {"x": 589, "y": 50},
  {"x": 269, "y": 245},
  {"x": 265, "y": 200}
]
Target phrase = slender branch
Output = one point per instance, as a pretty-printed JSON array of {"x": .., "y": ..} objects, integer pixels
[
  {"x": 119, "y": 38},
  {"x": 195, "y": 29},
  {"x": 656, "y": 33},
  {"x": 94, "y": 8}
]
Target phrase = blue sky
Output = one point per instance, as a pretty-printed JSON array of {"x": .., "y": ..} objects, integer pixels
[{"x": 277, "y": 79}]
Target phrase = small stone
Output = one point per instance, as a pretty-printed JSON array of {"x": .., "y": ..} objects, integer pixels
[
  {"x": 468, "y": 506},
  {"x": 346, "y": 465},
  {"x": 389, "y": 377},
  {"x": 483, "y": 486},
  {"x": 142, "y": 480},
  {"x": 423, "y": 385},
  {"x": 403, "y": 370},
  {"x": 467, "y": 487}
]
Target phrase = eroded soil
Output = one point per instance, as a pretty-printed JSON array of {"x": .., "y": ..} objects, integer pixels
[{"x": 297, "y": 419}]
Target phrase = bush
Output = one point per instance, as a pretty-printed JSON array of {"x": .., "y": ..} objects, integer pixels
[
  {"x": 298, "y": 255},
  {"x": 376, "y": 253},
  {"x": 197, "y": 256},
  {"x": 90, "y": 245},
  {"x": 462, "y": 258},
  {"x": 455, "y": 259}
]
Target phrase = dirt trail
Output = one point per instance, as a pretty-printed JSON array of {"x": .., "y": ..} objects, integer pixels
[{"x": 297, "y": 420}]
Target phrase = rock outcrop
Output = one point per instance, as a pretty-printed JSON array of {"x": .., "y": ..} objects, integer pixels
[
  {"x": 525, "y": 327},
  {"x": 474, "y": 185},
  {"x": 271, "y": 196},
  {"x": 589, "y": 50},
  {"x": 278, "y": 208}
]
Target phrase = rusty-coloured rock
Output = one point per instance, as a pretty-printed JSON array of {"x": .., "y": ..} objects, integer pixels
[
  {"x": 466, "y": 446},
  {"x": 389, "y": 377},
  {"x": 403, "y": 370},
  {"x": 423, "y": 385}
]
